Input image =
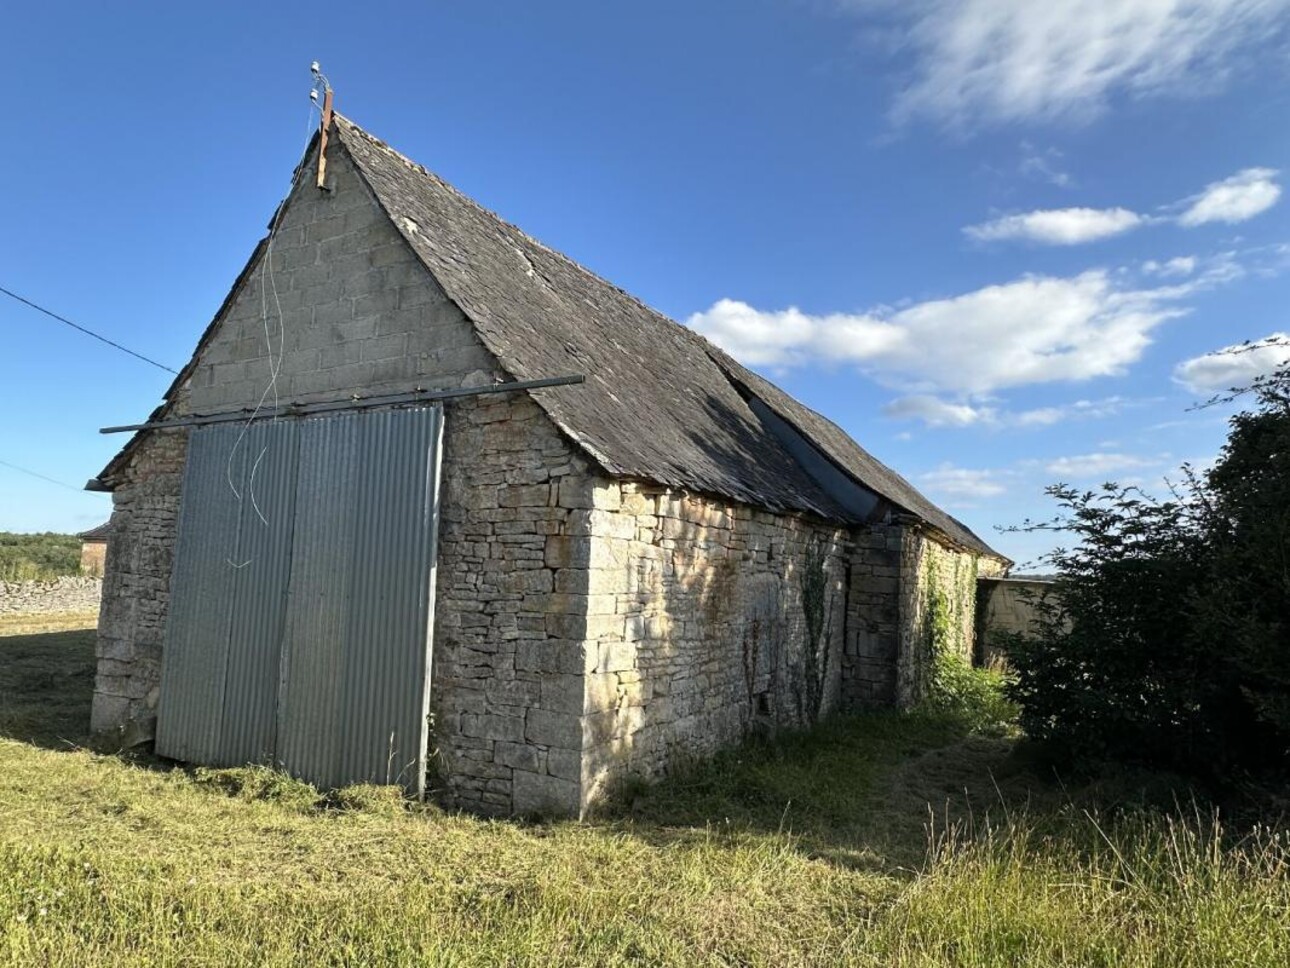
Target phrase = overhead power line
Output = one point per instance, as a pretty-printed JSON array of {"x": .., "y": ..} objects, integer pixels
[
  {"x": 23, "y": 470},
  {"x": 87, "y": 332}
]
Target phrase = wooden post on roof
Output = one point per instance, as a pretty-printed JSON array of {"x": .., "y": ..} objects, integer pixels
[{"x": 322, "y": 139}]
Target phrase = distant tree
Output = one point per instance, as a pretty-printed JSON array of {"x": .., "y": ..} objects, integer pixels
[{"x": 38, "y": 556}]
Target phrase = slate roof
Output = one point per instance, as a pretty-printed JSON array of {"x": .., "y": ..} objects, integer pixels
[
  {"x": 101, "y": 533},
  {"x": 660, "y": 402}
]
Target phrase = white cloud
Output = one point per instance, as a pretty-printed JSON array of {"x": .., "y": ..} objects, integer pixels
[
  {"x": 1058, "y": 226},
  {"x": 934, "y": 412},
  {"x": 1096, "y": 465},
  {"x": 957, "y": 483},
  {"x": 1234, "y": 366},
  {"x": 1235, "y": 199},
  {"x": 1021, "y": 60},
  {"x": 1183, "y": 265},
  {"x": 1037, "y": 329}
]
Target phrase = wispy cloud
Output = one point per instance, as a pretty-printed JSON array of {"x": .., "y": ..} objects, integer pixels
[
  {"x": 1234, "y": 366},
  {"x": 1097, "y": 465},
  {"x": 935, "y": 412},
  {"x": 991, "y": 61},
  {"x": 1236, "y": 199},
  {"x": 1044, "y": 165},
  {"x": 1183, "y": 265},
  {"x": 959, "y": 484}
]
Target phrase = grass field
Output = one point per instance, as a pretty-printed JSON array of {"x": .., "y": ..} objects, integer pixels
[{"x": 873, "y": 840}]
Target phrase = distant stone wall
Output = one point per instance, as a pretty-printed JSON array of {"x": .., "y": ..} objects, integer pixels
[
  {"x": 1007, "y": 606},
  {"x": 696, "y": 628},
  {"x": 66, "y": 594}
]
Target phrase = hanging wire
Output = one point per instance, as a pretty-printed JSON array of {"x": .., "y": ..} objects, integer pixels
[
  {"x": 88, "y": 332},
  {"x": 275, "y": 361}
]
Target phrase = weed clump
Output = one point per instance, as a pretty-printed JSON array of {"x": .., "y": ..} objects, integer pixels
[{"x": 252, "y": 783}]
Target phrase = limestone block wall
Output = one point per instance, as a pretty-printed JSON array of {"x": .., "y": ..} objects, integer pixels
[
  {"x": 869, "y": 661},
  {"x": 696, "y": 630},
  {"x": 937, "y": 606},
  {"x": 509, "y": 652},
  {"x": 136, "y": 588},
  {"x": 1006, "y": 606}
]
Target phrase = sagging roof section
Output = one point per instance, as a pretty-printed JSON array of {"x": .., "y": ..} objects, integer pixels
[{"x": 660, "y": 402}]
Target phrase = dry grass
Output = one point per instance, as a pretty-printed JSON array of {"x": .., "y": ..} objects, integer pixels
[
  {"x": 34, "y": 623},
  {"x": 809, "y": 851}
]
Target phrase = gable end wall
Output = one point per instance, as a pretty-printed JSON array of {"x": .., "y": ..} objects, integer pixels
[{"x": 361, "y": 315}]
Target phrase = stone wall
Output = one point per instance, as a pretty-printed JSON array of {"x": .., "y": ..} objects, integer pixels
[
  {"x": 937, "y": 607},
  {"x": 1007, "y": 606},
  {"x": 873, "y": 618},
  {"x": 69, "y": 593},
  {"x": 507, "y": 682},
  {"x": 696, "y": 630},
  {"x": 136, "y": 588}
]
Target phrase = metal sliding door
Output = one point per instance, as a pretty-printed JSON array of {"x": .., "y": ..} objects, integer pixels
[{"x": 302, "y": 602}]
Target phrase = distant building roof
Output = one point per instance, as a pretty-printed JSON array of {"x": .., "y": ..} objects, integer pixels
[{"x": 97, "y": 534}]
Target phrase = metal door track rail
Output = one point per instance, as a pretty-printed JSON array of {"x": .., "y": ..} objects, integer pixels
[{"x": 304, "y": 409}]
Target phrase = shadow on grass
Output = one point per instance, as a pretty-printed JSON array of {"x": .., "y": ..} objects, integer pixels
[
  {"x": 871, "y": 792},
  {"x": 46, "y": 685}
]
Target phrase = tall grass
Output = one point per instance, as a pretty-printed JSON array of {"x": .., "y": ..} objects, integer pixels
[
  {"x": 871, "y": 841},
  {"x": 1141, "y": 889}
]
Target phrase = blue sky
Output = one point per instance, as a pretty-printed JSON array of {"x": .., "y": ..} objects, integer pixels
[{"x": 993, "y": 239}]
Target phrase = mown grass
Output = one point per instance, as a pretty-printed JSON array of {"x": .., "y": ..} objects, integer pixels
[{"x": 813, "y": 849}]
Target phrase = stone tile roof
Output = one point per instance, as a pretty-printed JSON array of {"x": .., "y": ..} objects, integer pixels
[
  {"x": 660, "y": 402},
  {"x": 100, "y": 533}
]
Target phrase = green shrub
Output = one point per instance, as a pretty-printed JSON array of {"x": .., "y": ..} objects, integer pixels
[
  {"x": 38, "y": 557},
  {"x": 1167, "y": 638},
  {"x": 976, "y": 696}
]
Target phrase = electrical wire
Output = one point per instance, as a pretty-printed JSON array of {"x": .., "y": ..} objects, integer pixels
[
  {"x": 23, "y": 470},
  {"x": 87, "y": 332}
]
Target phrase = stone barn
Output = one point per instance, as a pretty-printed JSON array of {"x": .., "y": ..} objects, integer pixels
[
  {"x": 432, "y": 504},
  {"x": 94, "y": 549}
]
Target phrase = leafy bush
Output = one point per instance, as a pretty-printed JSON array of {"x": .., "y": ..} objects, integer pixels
[{"x": 1168, "y": 637}]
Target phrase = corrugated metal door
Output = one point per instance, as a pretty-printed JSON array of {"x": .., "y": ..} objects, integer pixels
[{"x": 302, "y": 607}]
